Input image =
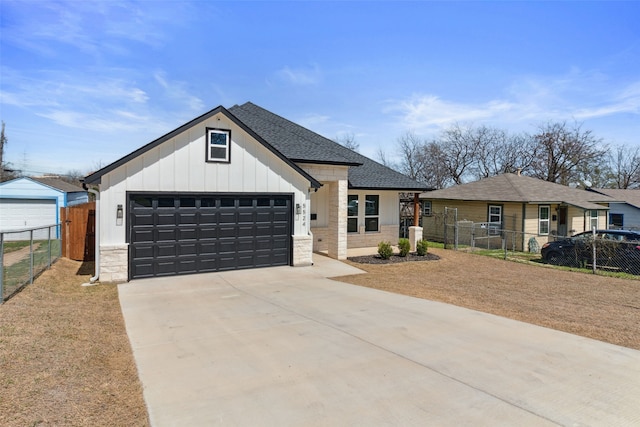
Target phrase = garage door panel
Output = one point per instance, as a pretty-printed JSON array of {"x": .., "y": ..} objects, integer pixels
[
  {"x": 207, "y": 233},
  {"x": 207, "y": 247},
  {"x": 142, "y": 251},
  {"x": 143, "y": 218},
  {"x": 187, "y": 234},
  {"x": 227, "y": 218},
  {"x": 280, "y": 230},
  {"x": 207, "y": 218},
  {"x": 142, "y": 235},
  {"x": 178, "y": 234},
  {"x": 165, "y": 219},
  {"x": 264, "y": 216},
  {"x": 166, "y": 234},
  {"x": 184, "y": 218},
  {"x": 245, "y": 231},
  {"x": 188, "y": 249}
]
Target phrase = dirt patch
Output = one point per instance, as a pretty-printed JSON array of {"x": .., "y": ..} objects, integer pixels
[
  {"x": 65, "y": 358},
  {"x": 599, "y": 307}
]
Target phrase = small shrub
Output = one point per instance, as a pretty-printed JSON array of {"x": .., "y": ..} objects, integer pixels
[
  {"x": 404, "y": 246},
  {"x": 385, "y": 250},
  {"x": 421, "y": 247}
]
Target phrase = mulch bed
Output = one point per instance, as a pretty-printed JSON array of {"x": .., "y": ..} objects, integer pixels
[{"x": 377, "y": 259}]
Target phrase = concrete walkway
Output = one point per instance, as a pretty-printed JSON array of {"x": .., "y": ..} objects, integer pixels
[{"x": 287, "y": 347}]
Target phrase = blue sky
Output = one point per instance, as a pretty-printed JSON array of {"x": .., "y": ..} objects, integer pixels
[{"x": 83, "y": 83}]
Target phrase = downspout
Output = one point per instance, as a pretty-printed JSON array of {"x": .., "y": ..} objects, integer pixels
[{"x": 92, "y": 280}]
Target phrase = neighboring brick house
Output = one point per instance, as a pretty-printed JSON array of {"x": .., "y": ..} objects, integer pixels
[
  {"x": 240, "y": 188},
  {"x": 530, "y": 206}
]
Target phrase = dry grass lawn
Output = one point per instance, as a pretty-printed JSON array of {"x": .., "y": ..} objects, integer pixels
[
  {"x": 599, "y": 307},
  {"x": 65, "y": 359}
]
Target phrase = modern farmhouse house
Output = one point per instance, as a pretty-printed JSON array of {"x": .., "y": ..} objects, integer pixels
[{"x": 240, "y": 188}]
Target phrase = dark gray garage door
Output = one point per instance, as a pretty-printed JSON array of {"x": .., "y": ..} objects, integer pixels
[{"x": 174, "y": 234}]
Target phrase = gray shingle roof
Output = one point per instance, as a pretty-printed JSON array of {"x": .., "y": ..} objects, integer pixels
[
  {"x": 510, "y": 187},
  {"x": 631, "y": 197},
  {"x": 304, "y": 146},
  {"x": 58, "y": 184}
]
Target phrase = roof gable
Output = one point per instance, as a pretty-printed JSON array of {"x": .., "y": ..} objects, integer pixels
[
  {"x": 510, "y": 187},
  {"x": 96, "y": 176}
]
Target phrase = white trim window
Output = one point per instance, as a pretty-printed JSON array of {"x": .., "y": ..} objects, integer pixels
[
  {"x": 218, "y": 145},
  {"x": 593, "y": 219},
  {"x": 371, "y": 212},
  {"x": 426, "y": 208},
  {"x": 495, "y": 214},
  {"x": 544, "y": 221},
  {"x": 352, "y": 213}
]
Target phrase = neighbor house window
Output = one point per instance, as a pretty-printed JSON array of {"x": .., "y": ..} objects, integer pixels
[
  {"x": 495, "y": 213},
  {"x": 616, "y": 220},
  {"x": 593, "y": 219},
  {"x": 352, "y": 213},
  {"x": 218, "y": 145},
  {"x": 371, "y": 212},
  {"x": 426, "y": 208},
  {"x": 543, "y": 219}
]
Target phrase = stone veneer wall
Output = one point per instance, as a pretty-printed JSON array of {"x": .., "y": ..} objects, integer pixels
[
  {"x": 336, "y": 231},
  {"x": 302, "y": 250},
  {"x": 357, "y": 240},
  {"x": 387, "y": 233},
  {"x": 114, "y": 262}
]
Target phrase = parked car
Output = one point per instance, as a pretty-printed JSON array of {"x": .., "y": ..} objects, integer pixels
[{"x": 615, "y": 249}]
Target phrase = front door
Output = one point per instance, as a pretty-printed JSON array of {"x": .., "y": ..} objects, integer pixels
[{"x": 562, "y": 221}]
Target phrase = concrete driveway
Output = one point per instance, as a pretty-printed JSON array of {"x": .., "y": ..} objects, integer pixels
[{"x": 286, "y": 346}]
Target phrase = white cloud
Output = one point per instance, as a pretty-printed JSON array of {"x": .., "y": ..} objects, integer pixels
[
  {"x": 577, "y": 95},
  {"x": 425, "y": 112},
  {"x": 301, "y": 76}
]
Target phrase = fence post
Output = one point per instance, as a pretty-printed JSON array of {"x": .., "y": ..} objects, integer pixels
[
  {"x": 49, "y": 249},
  {"x": 456, "y": 229},
  {"x": 31, "y": 256},
  {"x": 593, "y": 264},
  {"x": 445, "y": 226}
]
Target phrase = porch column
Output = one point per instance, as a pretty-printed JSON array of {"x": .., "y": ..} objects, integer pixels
[
  {"x": 415, "y": 232},
  {"x": 337, "y": 230}
]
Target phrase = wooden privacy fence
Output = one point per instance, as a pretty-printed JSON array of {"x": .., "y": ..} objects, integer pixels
[{"x": 79, "y": 231}]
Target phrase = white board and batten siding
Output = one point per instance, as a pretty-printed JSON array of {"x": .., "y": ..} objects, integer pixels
[{"x": 178, "y": 165}]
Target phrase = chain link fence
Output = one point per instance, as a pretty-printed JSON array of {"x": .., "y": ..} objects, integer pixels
[
  {"x": 24, "y": 254},
  {"x": 598, "y": 250}
]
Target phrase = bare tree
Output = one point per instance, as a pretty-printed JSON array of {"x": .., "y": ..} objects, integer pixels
[
  {"x": 459, "y": 147},
  {"x": 73, "y": 177},
  {"x": 561, "y": 150},
  {"x": 7, "y": 171},
  {"x": 435, "y": 173},
  {"x": 349, "y": 141},
  {"x": 625, "y": 167},
  {"x": 412, "y": 155}
]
